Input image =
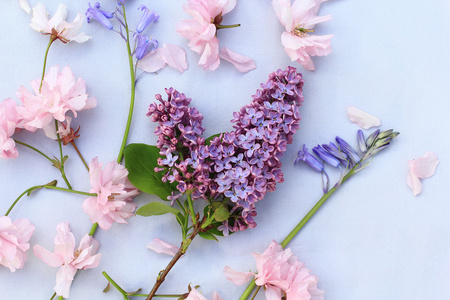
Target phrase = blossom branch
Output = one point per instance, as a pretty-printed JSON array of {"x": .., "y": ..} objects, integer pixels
[
  {"x": 133, "y": 89},
  {"x": 34, "y": 149}
]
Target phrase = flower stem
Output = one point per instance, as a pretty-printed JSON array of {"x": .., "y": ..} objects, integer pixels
[
  {"x": 227, "y": 26},
  {"x": 93, "y": 229},
  {"x": 46, "y": 186},
  {"x": 191, "y": 209},
  {"x": 79, "y": 154},
  {"x": 61, "y": 167},
  {"x": 162, "y": 275},
  {"x": 34, "y": 149},
  {"x": 133, "y": 90},
  {"x": 121, "y": 290},
  {"x": 53, "y": 296},
  {"x": 52, "y": 39},
  {"x": 256, "y": 293}
]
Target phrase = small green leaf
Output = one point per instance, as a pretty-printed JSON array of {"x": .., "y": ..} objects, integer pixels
[
  {"x": 156, "y": 209},
  {"x": 221, "y": 213},
  {"x": 208, "y": 140},
  {"x": 208, "y": 236},
  {"x": 140, "y": 161},
  {"x": 215, "y": 231}
]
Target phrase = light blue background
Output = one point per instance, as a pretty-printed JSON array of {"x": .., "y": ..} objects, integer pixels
[{"x": 372, "y": 240}]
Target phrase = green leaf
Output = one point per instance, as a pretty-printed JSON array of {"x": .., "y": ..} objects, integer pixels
[
  {"x": 215, "y": 231},
  {"x": 156, "y": 209},
  {"x": 208, "y": 236},
  {"x": 208, "y": 140},
  {"x": 140, "y": 161}
]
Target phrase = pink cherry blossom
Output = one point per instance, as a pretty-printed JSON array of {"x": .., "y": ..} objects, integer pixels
[
  {"x": 69, "y": 260},
  {"x": 299, "y": 21},
  {"x": 57, "y": 25},
  {"x": 10, "y": 120},
  {"x": 362, "y": 118},
  {"x": 420, "y": 168},
  {"x": 114, "y": 200},
  {"x": 14, "y": 237},
  {"x": 281, "y": 273},
  {"x": 168, "y": 54},
  {"x": 194, "y": 294},
  {"x": 160, "y": 246},
  {"x": 202, "y": 33},
  {"x": 60, "y": 93}
]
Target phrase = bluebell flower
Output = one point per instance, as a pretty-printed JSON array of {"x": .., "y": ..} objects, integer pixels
[
  {"x": 99, "y": 15},
  {"x": 326, "y": 157},
  {"x": 144, "y": 45},
  {"x": 148, "y": 17},
  {"x": 309, "y": 159},
  {"x": 347, "y": 149}
]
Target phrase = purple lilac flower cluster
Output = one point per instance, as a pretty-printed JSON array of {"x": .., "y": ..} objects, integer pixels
[{"x": 241, "y": 165}]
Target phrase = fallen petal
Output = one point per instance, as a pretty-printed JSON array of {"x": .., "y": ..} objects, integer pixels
[
  {"x": 238, "y": 278},
  {"x": 174, "y": 56},
  {"x": 361, "y": 118},
  {"x": 242, "y": 63},
  {"x": 152, "y": 61},
  {"x": 162, "y": 247},
  {"x": 25, "y": 6},
  {"x": 420, "y": 168}
]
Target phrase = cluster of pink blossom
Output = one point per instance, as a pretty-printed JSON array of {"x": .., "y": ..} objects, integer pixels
[
  {"x": 115, "y": 193},
  {"x": 241, "y": 165},
  {"x": 50, "y": 100},
  {"x": 280, "y": 272},
  {"x": 69, "y": 260},
  {"x": 202, "y": 34},
  {"x": 14, "y": 237},
  {"x": 299, "y": 20}
]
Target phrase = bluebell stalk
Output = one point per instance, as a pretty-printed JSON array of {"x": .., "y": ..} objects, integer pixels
[
  {"x": 343, "y": 154},
  {"x": 99, "y": 15}
]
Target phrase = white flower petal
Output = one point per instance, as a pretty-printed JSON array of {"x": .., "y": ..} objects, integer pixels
[
  {"x": 25, "y": 6},
  {"x": 362, "y": 118},
  {"x": 242, "y": 63}
]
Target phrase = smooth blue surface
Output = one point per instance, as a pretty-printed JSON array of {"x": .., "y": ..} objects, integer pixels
[{"x": 372, "y": 240}]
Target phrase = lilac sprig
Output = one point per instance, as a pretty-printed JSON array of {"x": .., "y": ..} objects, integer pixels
[{"x": 237, "y": 167}]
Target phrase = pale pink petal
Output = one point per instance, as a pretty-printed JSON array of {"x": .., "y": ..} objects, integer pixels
[
  {"x": 152, "y": 61},
  {"x": 162, "y": 247},
  {"x": 242, "y": 63},
  {"x": 425, "y": 166},
  {"x": 216, "y": 296},
  {"x": 64, "y": 242},
  {"x": 227, "y": 5},
  {"x": 25, "y": 6},
  {"x": 209, "y": 59},
  {"x": 273, "y": 293},
  {"x": 175, "y": 57},
  {"x": 238, "y": 278},
  {"x": 39, "y": 20},
  {"x": 362, "y": 118},
  {"x": 420, "y": 168},
  {"x": 64, "y": 279},
  {"x": 195, "y": 295},
  {"x": 50, "y": 258},
  {"x": 284, "y": 13}
]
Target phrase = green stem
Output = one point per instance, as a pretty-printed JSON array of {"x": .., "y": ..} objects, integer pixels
[
  {"x": 191, "y": 209},
  {"x": 52, "y": 39},
  {"x": 302, "y": 223},
  {"x": 227, "y": 26},
  {"x": 256, "y": 293},
  {"x": 79, "y": 154},
  {"x": 93, "y": 229},
  {"x": 34, "y": 149},
  {"x": 121, "y": 290},
  {"x": 48, "y": 186},
  {"x": 60, "y": 298},
  {"x": 133, "y": 90},
  {"x": 61, "y": 167},
  {"x": 53, "y": 296}
]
